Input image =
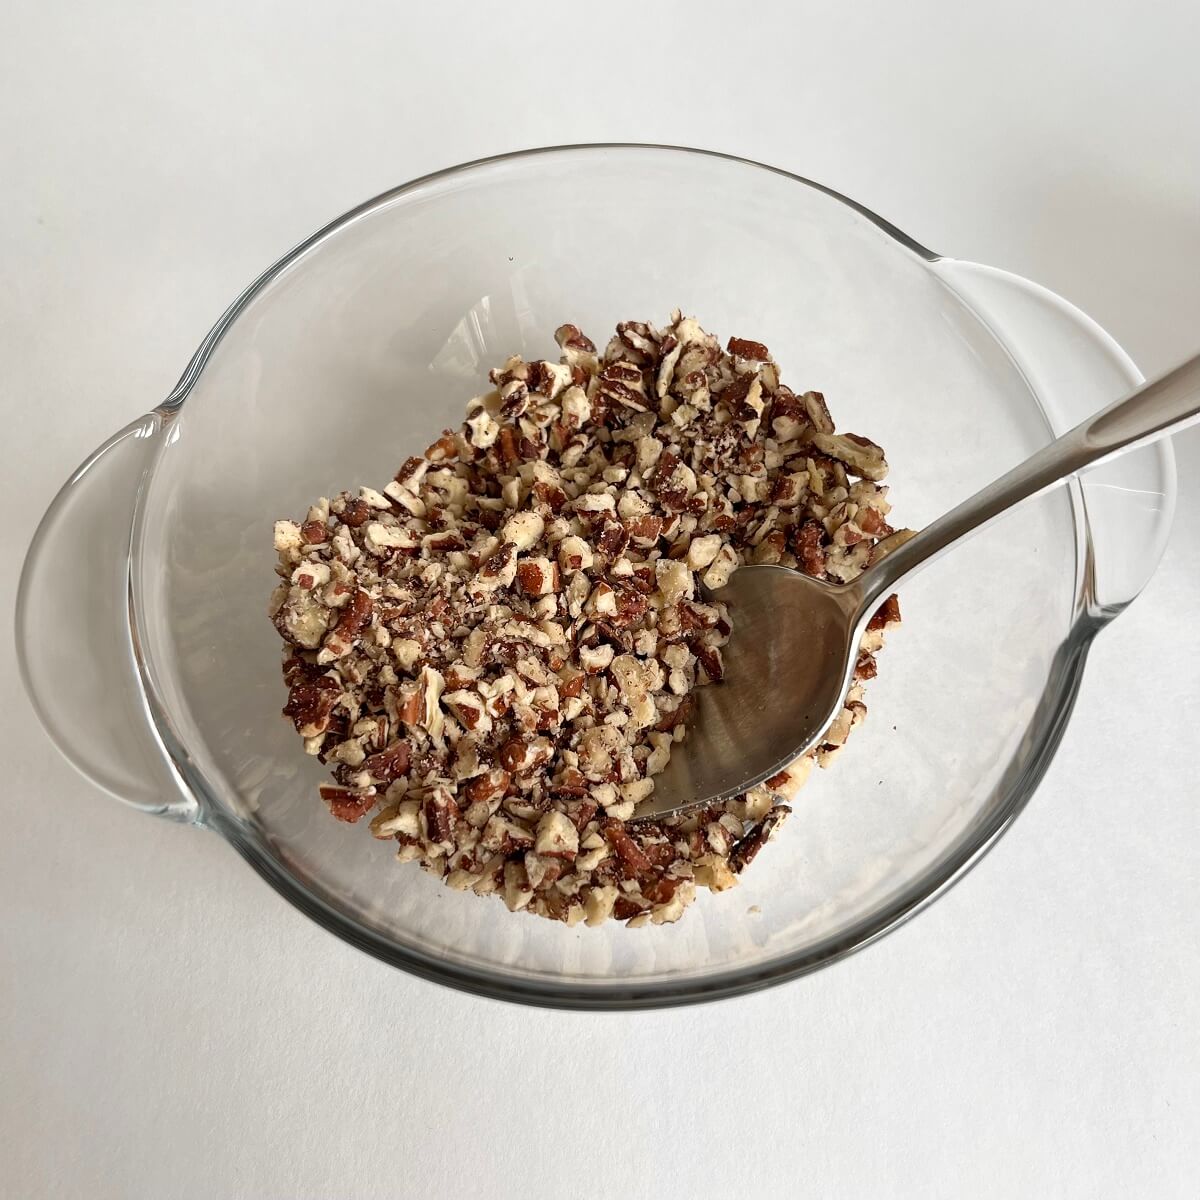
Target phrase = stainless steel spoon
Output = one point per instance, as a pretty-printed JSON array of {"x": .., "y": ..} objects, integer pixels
[{"x": 791, "y": 658}]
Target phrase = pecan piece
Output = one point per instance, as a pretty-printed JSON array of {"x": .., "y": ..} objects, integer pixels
[
  {"x": 746, "y": 850},
  {"x": 444, "y": 449},
  {"x": 859, "y": 454},
  {"x": 630, "y": 853},
  {"x": 622, "y": 383},
  {"x": 612, "y": 539},
  {"x": 626, "y": 909},
  {"x": 440, "y": 813},
  {"x": 355, "y": 513},
  {"x": 807, "y": 545},
  {"x": 817, "y": 412},
  {"x": 310, "y": 704},
  {"x": 871, "y": 522},
  {"x": 512, "y": 755},
  {"x": 744, "y": 348},
  {"x": 710, "y": 660},
  {"x": 659, "y": 891},
  {"x": 354, "y": 616},
  {"x": 644, "y": 530},
  {"x": 389, "y": 764},
  {"x": 347, "y": 804},
  {"x": 631, "y": 607},
  {"x": 581, "y": 812},
  {"x": 638, "y": 339},
  {"x": 488, "y": 785},
  {"x": 556, "y": 836},
  {"x": 569, "y": 337},
  {"x": 549, "y": 494},
  {"x": 507, "y": 448},
  {"x": 887, "y": 614},
  {"x": 670, "y": 718}
]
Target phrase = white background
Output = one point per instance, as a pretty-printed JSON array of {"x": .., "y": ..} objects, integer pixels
[{"x": 169, "y": 1027}]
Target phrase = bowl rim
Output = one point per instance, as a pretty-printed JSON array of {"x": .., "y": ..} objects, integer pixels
[{"x": 1046, "y": 726}]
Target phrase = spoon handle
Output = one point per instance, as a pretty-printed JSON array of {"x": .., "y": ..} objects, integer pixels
[{"x": 1156, "y": 408}]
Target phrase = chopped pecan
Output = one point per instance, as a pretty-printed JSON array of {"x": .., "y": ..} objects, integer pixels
[
  {"x": 626, "y": 909},
  {"x": 580, "y": 812},
  {"x": 888, "y": 613},
  {"x": 310, "y": 704},
  {"x": 513, "y": 754},
  {"x": 444, "y": 449},
  {"x": 556, "y": 836},
  {"x": 569, "y": 337},
  {"x": 634, "y": 859},
  {"x": 660, "y": 890},
  {"x": 817, "y": 412},
  {"x": 860, "y": 455},
  {"x": 631, "y": 607},
  {"x": 488, "y": 785},
  {"x": 746, "y": 850},
  {"x": 871, "y": 522},
  {"x": 347, "y": 804},
  {"x": 865, "y": 668},
  {"x": 549, "y": 494},
  {"x": 644, "y": 530},
  {"x": 744, "y": 348},
  {"x": 622, "y": 383},
  {"x": 314, "y": 532},
  {"x": 807, "y": 544},
  {"x": 354, "y": 616},
  {"x": 355, "y": 513},
  {"x": 389, "y": 764},
  {"x": 507, "y": 447},
  {"x": 639, "y": 339},
  {"x": 497, "y": 565},
  {"x": 530, "y": 578},
  {"x": 710, "y": 660},
  {"x": 671, "y": 718},
  {"x": 440, "y": 813},
  {"x": 612, "y": 539}
]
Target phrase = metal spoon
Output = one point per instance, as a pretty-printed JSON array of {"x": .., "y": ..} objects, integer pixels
[{"x": 791, "y": 658}]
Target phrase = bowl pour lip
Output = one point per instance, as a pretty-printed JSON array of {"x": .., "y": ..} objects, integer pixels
[{"x": 1048, "y": 723}]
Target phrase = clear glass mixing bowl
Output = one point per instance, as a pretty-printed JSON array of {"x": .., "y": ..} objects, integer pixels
[{"x": 141, "y": 620}]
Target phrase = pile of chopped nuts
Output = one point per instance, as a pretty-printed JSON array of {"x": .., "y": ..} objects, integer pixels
[{"x": 500, "y": 650}]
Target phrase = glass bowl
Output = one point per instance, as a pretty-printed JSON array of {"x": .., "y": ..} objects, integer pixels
[{"x": 142, "y": 627}]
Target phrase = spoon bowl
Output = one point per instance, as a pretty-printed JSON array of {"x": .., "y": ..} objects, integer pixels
[{"x": 787, "y": 669}]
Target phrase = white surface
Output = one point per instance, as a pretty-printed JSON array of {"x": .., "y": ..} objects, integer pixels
[{"x": 169, "y": 1027}]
